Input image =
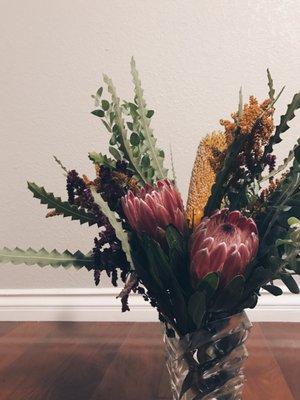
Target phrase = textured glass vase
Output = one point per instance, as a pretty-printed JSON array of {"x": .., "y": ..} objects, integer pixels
[{"x": 208, "y": 364}]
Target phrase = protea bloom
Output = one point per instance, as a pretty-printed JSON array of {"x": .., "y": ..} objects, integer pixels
[
  {"x": 151, "y": 209},
  {"x": 225, "y": 243}
]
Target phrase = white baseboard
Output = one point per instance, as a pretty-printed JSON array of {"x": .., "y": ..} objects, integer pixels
[{"x": 102, "y": 305}]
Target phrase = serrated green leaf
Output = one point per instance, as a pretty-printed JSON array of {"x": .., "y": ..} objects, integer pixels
[
  {"x": 98, "y": 113},
  {"x": 62, "y": 207},
  {"x": 271, "y": 86},
  {"x": 43, "y": 258},
  {"x": 101, "y": 159},
  {"x": 150, "y": 141},
  {"x": 240, "y": 107},
  {"x": 288, "y": 116},
  {"x": 197, "y": 307},
  {"x": 60, "y": 164},
  {"x": 115, "y": 223}
]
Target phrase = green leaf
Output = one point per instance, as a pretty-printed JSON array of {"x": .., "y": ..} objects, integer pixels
[
  {"x": 135, "y": 139},
  {"x": 271, "y": 86},
  {"x": 209, "y": 284},
  {"x": 100, "y": 91},
  {"x": 145, "y": 161},
  {"x": 101, "y": 159},
  {"x": 240, "y": 107},
  {"x": 259, "y": 277},
  {"x": 43, "y": 258},
  {"x": 130, "y": 126},
  {"x": 60, "y": 164},
  {"x": 231, "y": 295},
  {"x": 290, "y": 282},
  {"x": 164, "y": 274},
  {"x": 274, "y": 290},
  {"x": 115, "y": 223},
  {"x": 105, "y": 105},
  {"x": 288, "y": 116},
  {"x": 197, "y": 307},
  {"x": 115, "y": 153},
  {"x": 106, "y": 125},
  {"x": 150, "y": 141},
  {"x": 98, "y": 113},
  {"x": 174, "y": 238},
  {"x": 150, "y": 113},
  {"x": 62, "y": 207}
]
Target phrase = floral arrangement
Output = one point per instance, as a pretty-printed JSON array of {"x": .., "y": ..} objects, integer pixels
[{"x": 238, "y": 234}]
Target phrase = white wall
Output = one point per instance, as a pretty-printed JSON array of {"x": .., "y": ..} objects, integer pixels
[{"x": 192, "y": 56}]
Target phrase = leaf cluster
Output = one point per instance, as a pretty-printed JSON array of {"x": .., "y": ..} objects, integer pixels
[{"x": 132, "y": 137}]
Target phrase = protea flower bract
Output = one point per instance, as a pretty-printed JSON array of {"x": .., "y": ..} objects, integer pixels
[
  {"x": 151, "y": 209},
  {"x": 226, "y": 243}
]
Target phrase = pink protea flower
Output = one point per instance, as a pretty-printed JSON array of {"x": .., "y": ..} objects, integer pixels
[
  {"x": 152, "y": 209},
  {"x": 225, "y": 243}
]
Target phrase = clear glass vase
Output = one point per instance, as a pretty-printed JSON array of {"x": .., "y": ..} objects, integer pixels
[{"x": 208, "y": 364}]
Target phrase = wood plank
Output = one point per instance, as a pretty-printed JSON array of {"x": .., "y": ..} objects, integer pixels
[
  {"x": 264, "y": 376},
  {"x": 108, "y": 361},
  {"x": 284, "y": 340},
  {"x": 135, "y": 371},
  {"x": 69, "y": 363}
]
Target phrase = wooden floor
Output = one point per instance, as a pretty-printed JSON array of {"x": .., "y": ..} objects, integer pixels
[{"x": 114, "y": 361}]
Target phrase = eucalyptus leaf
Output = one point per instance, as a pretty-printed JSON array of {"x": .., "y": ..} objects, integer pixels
[
  {"x": 135, "y": 139},
  {"x": 115, "y": 153},
  {"x": 105, "y": 105},
  {"x": 98, "y": 113}
]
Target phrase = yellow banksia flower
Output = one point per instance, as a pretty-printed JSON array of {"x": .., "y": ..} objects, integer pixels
[{"x": 209, "y": 157}]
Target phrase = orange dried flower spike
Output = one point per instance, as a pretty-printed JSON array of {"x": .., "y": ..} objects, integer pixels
[{"x": 208, "y": 160}]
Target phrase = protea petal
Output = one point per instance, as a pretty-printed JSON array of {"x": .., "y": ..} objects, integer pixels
[
  {"x": 152, "y": 209},
  {"x": 218, "y": 256},
  {"x": 201, "y": 259},
  {"x": 231, "y": 241}
]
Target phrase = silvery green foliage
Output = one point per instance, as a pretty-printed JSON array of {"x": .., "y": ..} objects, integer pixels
[
  {"x": 44, "y": 258},
  {"x": 115, "y": 223},
  {"x": 291, "y": 256},
  {"x": 155, "y": 155},
  {"x": 131, "y": 135}
]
